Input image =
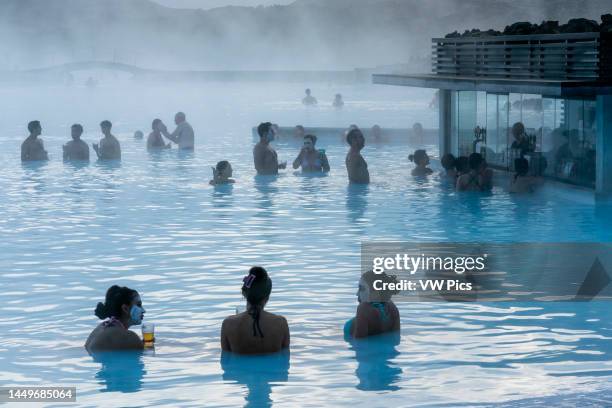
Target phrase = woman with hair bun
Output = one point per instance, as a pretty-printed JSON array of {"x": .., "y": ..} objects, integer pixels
[
  {"x": 121, "y": 309},
  {"x": 376, "y": 313},
  {"x": 255, "y": 331},
  {"x": 421, "y": 159}
]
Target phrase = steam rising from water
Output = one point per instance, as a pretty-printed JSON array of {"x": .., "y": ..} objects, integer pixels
[{"x": 307, "y": 34}]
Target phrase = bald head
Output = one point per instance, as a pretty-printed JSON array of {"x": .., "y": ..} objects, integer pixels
[{"x": 179, "y": 118}]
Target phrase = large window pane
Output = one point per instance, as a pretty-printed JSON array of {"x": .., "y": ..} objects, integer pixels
[
  {"x": 467, "y": 118},
  {"x": 497, "y": 129},
  {"x": 571, "y": 153}
]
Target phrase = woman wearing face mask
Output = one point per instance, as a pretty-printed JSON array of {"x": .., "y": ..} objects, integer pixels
[
  {"x": 255, "y": 331},
  {"x": 310, "y": 159},
  {"x": 376, "y": 313},
  {"x": 121, "y": 309}
]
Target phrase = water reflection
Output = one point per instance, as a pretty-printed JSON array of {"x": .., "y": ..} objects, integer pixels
[
  {"x": 375, "y": 370},
  {"x": 257, "y": 373},
  {"x": 34, "y": 164},
  {"x": 107, "y": 166},
  {"x": 120, "y": 371},
  {"x": 357, "y": 202},
  {"x": 76, "y": 164},
  {"x": 265, "y": 185},
  {"x": 222, "y": 198},
  {"x": 34, "y": 179}
]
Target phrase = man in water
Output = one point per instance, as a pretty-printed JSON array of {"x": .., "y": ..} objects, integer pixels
[
  {"x": 33, "y": 149},
  {"x": 76, "y": 149},
  {"x": 338, "y": 102},
  {"x": 264, "y": 156},
  {"x": 355, "y": 163},
  {"x": 109, "y": 148},
  {"x": 309, "y": 100},
  {"x": 521, "y": 142},
  {"x": 183, "y": 135}
]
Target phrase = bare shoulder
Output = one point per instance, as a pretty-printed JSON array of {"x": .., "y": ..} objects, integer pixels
[
  {"x": 363, "y": 307},
  {"x": 276, "y": 318},
  {"x": 232, "y": 320},
  {"x": 132, "y": 340},
  {"x": 393, "y": 308}
]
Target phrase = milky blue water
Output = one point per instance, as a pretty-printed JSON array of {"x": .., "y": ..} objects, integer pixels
[{"x": 152, "y": 222}]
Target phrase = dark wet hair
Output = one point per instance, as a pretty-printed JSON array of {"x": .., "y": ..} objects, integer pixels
[
  {"x": 521, "y": 167},
  {"x": 155, "y": 123},
  {"x": 418, "y": 156},
  {"x": 33, "y": 125},
  {"x": 256, "y": 288},
  {"x": 476, "y": 161},
  {"x": 264, "y": 128},
  {"x": 300, "y": 127},
  {"x": 518, "y": 129},
  {"x": 448, "y": 161},
  {"x": 462, "y": 164},
  {"x": 116, "y": 296},
  {"x": 311, "y": 137},
  {"x": 106, "y": 123},
  {"x": 77, "y": 126},
  {"x": 384, "y": 295},
  {"x": 352, "y": 135},
  {"x": 222, "y": 165}
]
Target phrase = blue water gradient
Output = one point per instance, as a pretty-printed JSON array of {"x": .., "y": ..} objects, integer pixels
[{"x": 152, "y": 222}]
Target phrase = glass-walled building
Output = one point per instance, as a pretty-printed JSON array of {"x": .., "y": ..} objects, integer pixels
[
  {"x": 546, "y": 98},
  {"x": 561, "y": 132}
]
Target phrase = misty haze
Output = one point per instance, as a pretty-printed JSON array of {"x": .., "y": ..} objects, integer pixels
[{"x": 189, "y": 186}]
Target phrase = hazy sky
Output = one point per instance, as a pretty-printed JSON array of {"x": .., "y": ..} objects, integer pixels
[{"x": 207, "y": 4}]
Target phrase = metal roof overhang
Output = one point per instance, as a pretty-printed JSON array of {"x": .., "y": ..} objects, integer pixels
[{"x": 565, "y": 88}]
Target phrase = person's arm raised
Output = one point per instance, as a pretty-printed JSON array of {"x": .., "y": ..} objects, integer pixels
[
  {"x": 171, "y": 136},
  {"x": 96, "y": 148},
  {"x": 298, "y": 160},
  {"x": 324, "y": 162}
]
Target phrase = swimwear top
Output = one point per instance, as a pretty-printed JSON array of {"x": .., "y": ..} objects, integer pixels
[
  {"x": 307, "y": 164},
  {"x": 382, "y": 309}
]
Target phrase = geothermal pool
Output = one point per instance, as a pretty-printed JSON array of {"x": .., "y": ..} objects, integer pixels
[{"x": 68, "y": 232}]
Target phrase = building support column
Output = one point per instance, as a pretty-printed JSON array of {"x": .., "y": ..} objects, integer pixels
[
  {"x": 603, "y": 183},
  {"x": 444, "y": 122}
]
